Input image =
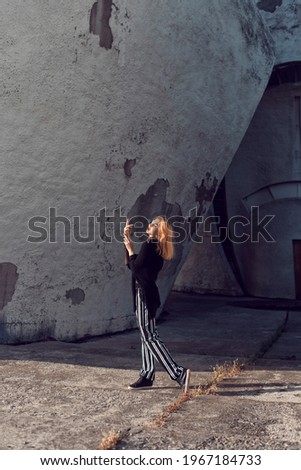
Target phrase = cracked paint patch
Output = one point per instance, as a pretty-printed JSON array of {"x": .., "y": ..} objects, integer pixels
[
  {"x": 269, "y": 5},
  {"x": 255, "y": 36},
  {"x": 76, "y": 295},
  {"x": 8, "y": 280},
  {"x": 100, "y": 22}
]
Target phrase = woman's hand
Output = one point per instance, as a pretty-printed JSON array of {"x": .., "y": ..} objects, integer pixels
[{"x": 127, "y": 238}]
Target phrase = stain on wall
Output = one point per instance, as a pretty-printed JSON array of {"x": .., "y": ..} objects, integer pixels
[
  {"x": 204, "y": 195},
  {"x": 8, "y": 280},
  {"x": 269, "y": 5},
  {"x": 128, "y": 165},
  {"x": 151, "y": 204},
  {"x": 76, "y": 295},
  {"x": 100, "y": 22},
  {"x": 206, "y": 191}
]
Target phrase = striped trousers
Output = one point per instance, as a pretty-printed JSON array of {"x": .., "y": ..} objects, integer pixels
[{"x": 152, "y": 347}]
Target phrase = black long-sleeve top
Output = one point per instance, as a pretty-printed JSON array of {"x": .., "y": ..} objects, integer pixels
[{"x": 145, "y": 268}]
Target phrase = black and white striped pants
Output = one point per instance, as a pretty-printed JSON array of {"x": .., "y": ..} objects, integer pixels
[{"x": 152, "y": 346}]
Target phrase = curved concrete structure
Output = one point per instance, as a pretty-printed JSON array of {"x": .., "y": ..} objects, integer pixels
[
  {"x": 265, "y": 254},
  {"x": 270, "y": 157},
  {"x": 129, "y": 106},
  {"x": 270, "y": 196}
]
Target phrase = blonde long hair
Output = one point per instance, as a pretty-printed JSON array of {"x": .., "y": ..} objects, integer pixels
[{"x": 165, "y": 238}]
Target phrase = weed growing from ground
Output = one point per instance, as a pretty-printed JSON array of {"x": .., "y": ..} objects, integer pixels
[
  {"x": 219, "y": 373},
  {"x": 110, "y": 442}
]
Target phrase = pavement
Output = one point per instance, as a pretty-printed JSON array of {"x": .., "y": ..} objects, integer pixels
[{"x": 57, "y": 395}]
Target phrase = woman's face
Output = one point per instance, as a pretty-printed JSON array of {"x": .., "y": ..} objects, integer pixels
[{"x": 152, "y": 229}]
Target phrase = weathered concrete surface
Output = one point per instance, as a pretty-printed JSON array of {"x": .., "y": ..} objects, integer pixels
[
  {"x": 129, "y": 105},
  {"x": 266, "y": 170},
  {"x": 57, "y": 395},
  {"x": 206, "y": 270},
  {"x": 284, "y": 20},
  {"x": 270, "y": 157},
  {"x": 268, "y": 154}
]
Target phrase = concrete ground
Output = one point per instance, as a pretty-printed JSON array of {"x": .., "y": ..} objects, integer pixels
[{"x": 58, "y": 395}]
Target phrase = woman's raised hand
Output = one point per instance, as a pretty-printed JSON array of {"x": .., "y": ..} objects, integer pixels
[
  {"x": 128, "y": 228},
  {"x": 127, "y": 237}
]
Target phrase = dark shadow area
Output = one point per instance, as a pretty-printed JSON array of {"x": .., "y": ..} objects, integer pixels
[
  {"x": 268, "y": 304},
  {"x": 289, "y": 72},
  {"x": 251, "y": 389},
  {"x": 220, "y": 210},
  {"x": 200, "y": 331}
]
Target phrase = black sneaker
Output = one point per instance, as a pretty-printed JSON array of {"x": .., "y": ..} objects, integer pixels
[
  {"x": 141, "y": 383},
  {"x": 184, "y": 379}
]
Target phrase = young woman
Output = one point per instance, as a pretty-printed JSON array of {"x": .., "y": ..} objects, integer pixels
[{"x": 145, "y": 268}]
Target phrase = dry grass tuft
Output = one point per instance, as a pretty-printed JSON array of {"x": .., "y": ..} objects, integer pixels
[
  {"x": 227, "y": 370},
  {"x": 220, "y": 372},
  {"x": 207, "y": 388},
  {"x": 173, "y": 407},
  {"x": 110, "y": 442}
]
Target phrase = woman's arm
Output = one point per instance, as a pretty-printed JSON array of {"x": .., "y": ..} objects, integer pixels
[
  {"x": 138, "y": 263},
  {"x": 127, "y": 239}
]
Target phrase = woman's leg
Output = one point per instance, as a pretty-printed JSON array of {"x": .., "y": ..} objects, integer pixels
[
  {"x": 153, "y": 346},
  {"x": 148, "y": 363}
]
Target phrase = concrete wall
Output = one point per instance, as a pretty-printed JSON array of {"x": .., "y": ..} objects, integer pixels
[
  {"x": 270, "y": 157},
  {"x": 267, "y": 268},
  {"x": 206, "y": 271},
  {"x": 121, "y": 105},
  {"x": 268, "y": 154}
]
